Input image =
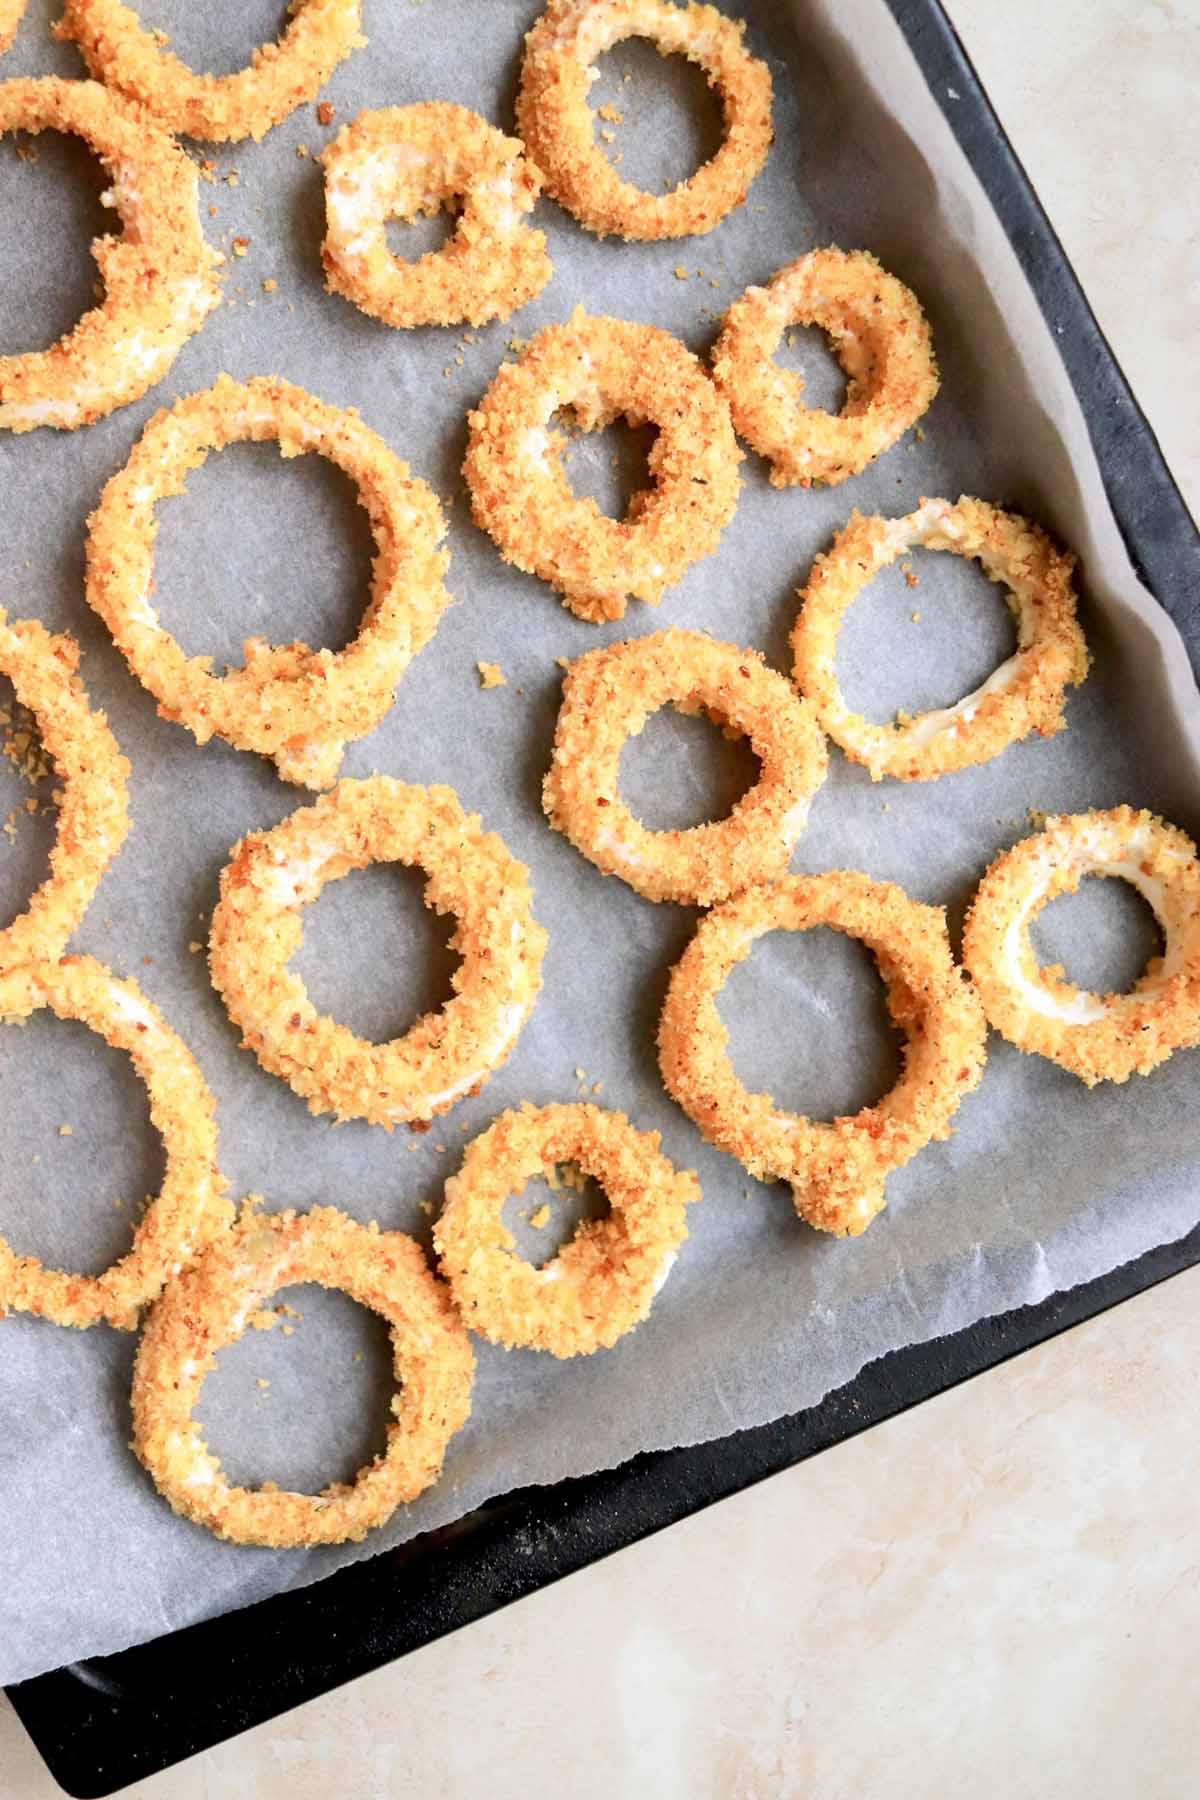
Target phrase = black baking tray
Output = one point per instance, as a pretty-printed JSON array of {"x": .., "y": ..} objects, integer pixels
[{"x": 104, "y": 1723}]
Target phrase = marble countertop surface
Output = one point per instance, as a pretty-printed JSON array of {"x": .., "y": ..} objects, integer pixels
[{"x": 998, "y": 1591}]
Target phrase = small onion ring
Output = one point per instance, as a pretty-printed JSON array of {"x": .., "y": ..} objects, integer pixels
[
  {"x": 208, "y": 1308},
  {"x": 554, "y": 119},
  {"x": 1026, "y": 693},
  {"x": 879, "y": 335},
  {"x": 837, "y": 1170},
  {"x": 602, "y": 1283},
  {"x": 119, "y": 50},
  {"x": 93, "y": 815},
  {"x": 1098, "y": 1037},
  {"x": 190, "y": 1209},
  {"x": 159, "y": 277},
  {"x": 602, "y": 369},
  {"x": 11, "y": 12},
  {"x": 257, "y": 928},
  {"x": 405, "y": 160},
  {"x": 609, "y": 694},
  {"x": 295, "y": 705}
]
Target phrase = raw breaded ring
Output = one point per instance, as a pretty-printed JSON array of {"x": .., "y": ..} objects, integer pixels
[
  {"x": 609, "y": 694},
  {"x": 879, "y": 335},
  {"x": 602, "y": 369},
  {"x": 208, "y": 1308},
  {"x": 190, "y": 1209},
  {"x": 11, "y": 12},
  {"x": 554, "y": 119},
  {"x": 119, "y": 50},
  {"x": 1026, "y": 693},
  {"x": 298, "y": 706},
  {"x": 405, "y": 160},
  {"x": 257, "y": 928},
  {"x": 1099, "y": 1037},
  {"x": 159, "y": 276},
  {"x": 93, "y": 814},
  {"x": 836, "y": 1170},
  {"x": 602, "y": 1283}
]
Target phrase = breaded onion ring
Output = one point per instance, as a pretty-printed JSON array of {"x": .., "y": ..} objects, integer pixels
[
  {"x": 1099, "y": 1037},
  {"x": 190, "y": 1209},
  {"x": 93, "y": 814},
  {"x": 836, "y": 1170},
  {"x": 257, "y": 928},
  {"x": 602, "y": 1283},
  {"x": 119, "y": 50},
  {"x": 602, "y": 369},
  {"x": 1026, "y": 693},
  {"x": 11, "y": 12},
  {"x": 159, "y": 277},
  {"x": 609, "y": 694},
  {"x": 406, "y": 160},
  {"x": 208, "y": 1308},
  {"x": 556, "y": 124},
  {"x": 879, "y": 335},
  {"x": 298, "y": 706}
]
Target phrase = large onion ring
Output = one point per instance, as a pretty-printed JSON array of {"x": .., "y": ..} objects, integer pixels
[
  {"x": 1099, "y": 1037},
  {"x": 601, "y": 1284},
  {"x": 159, "y": 277},
  {"x": 119, "y": 50},
  {"x": 93, "y": 814},
  {"x": 881, "y": 339},
  {"x": 609, "y": 694},
  {"x": 257, "y": 928},
  {"x": 556, "y": 124},
  {"x": 190, "y": 1209},
  {"x": 208, "y": 1308},
  {"x": 837, "y": 1170},
  {"x": 295, "y": 705},
  {"x": 602, "y": 369},
  {"x": 11, "y": 12},
  {"x": 1024, "y": 694},
  {"x": 405, "y": 160}
]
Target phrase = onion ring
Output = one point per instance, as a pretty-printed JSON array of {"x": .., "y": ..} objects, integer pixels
[
  {"x": 405, "y": 160},
  {"x": 190, "y": 1209},
  {"x": 880, "y": 337},
  {"x": 601, "y": 1284},
  {"x": 256, "y": 929},
  {"x": 93, "y": 817},
  {"x": 607, "y": 697},
  {"x": 159, "y": 277},
  {"x": 297, "y": 706},
  {"x": 11, "y": 12},
  {"x": 836, "y": 1170},
  {"x": 1024, "y": 694},
  {"x": 208, "y": 1308},
  {"x": 281, "y": 76},
  {"x": 1099, "y": 1037},
  {"x": 556, "y": 124},
  {"x": 602, "y": 369}
]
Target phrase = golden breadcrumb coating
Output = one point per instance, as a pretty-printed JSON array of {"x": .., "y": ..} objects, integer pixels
[
  {"x": 11, "y": 12},
  {"x": 1026, "y": 693},
  {"x": 599, "y": 1285},
  {"x": 837, "y": 1170}
]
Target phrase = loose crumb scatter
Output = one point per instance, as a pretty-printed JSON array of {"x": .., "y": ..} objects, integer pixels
[
  {"x": 426, "y": 1207},
  {"x": 212, "y": 210},
  {"x": 608, "y": 136},
  {"x": 66, "y": 1131},
  {"x": 326, "y": 112},
  {"x": 357, "y": 1356},
  {"x": 301, "y": 150},
  {"x": 609, "y": 112},
  {"x": 269, "y": 284},
  {"x": 233, "y": 179},
  {"x": 919, "y": 433},
  {"x": 262, "y": 1383},
  {"x": 263, "y": 1320},
  {"x": 581, "y": 1074},
  {"x": 541, "y": 1218},
  {"x": 195, "y": 947},
  {"x": 681, "y": 273},
  {"x": 916, "y": 618},
  {"x": 240, "y": 246},
  {"x": 491, "y": 675},
  {"x": 597, "y": 1087}
]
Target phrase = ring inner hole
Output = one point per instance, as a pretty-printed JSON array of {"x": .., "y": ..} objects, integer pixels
[
  {"x": 683, "y": 770},
  {"x": 610, "y": 466},
  {"x": 50, "y": 211},
  {"x": 889, "y": 662},
  {"x": 425, "y": 232},
  {"x": 808, "y": 351},
  {"x": 202, "y": 36},
  {"x": 374, "y": 956},
  {"x": 26, "y": 776},
  {"x": 218, "y": 573},
  {"x": 1103, "y": 935},
  {"x": 548, "y": 1213},
  {"x": 73, "y": 1199},
  {"x": 808, "y": 1023},
  {"x": 670, "y": 123},
  {"x": 323, "y": 1415}
]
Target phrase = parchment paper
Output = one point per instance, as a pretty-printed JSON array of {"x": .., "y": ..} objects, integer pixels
[{"x": 1043, "y": 1184}]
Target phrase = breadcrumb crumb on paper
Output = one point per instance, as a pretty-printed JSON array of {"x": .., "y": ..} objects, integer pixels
[{"x": 491, "y": 675}]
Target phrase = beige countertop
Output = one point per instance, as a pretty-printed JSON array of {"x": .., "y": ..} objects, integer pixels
[{"x": 996, "y": 1592}]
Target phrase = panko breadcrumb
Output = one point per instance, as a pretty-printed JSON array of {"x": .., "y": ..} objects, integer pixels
[{"x": 11, "y": 12}]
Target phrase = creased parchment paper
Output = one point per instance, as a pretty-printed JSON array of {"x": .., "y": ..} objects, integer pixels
[{"x": 1042, "y": 1185}]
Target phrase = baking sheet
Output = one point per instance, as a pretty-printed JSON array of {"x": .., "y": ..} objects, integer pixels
[{"x": 1043, "y": 1185}]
